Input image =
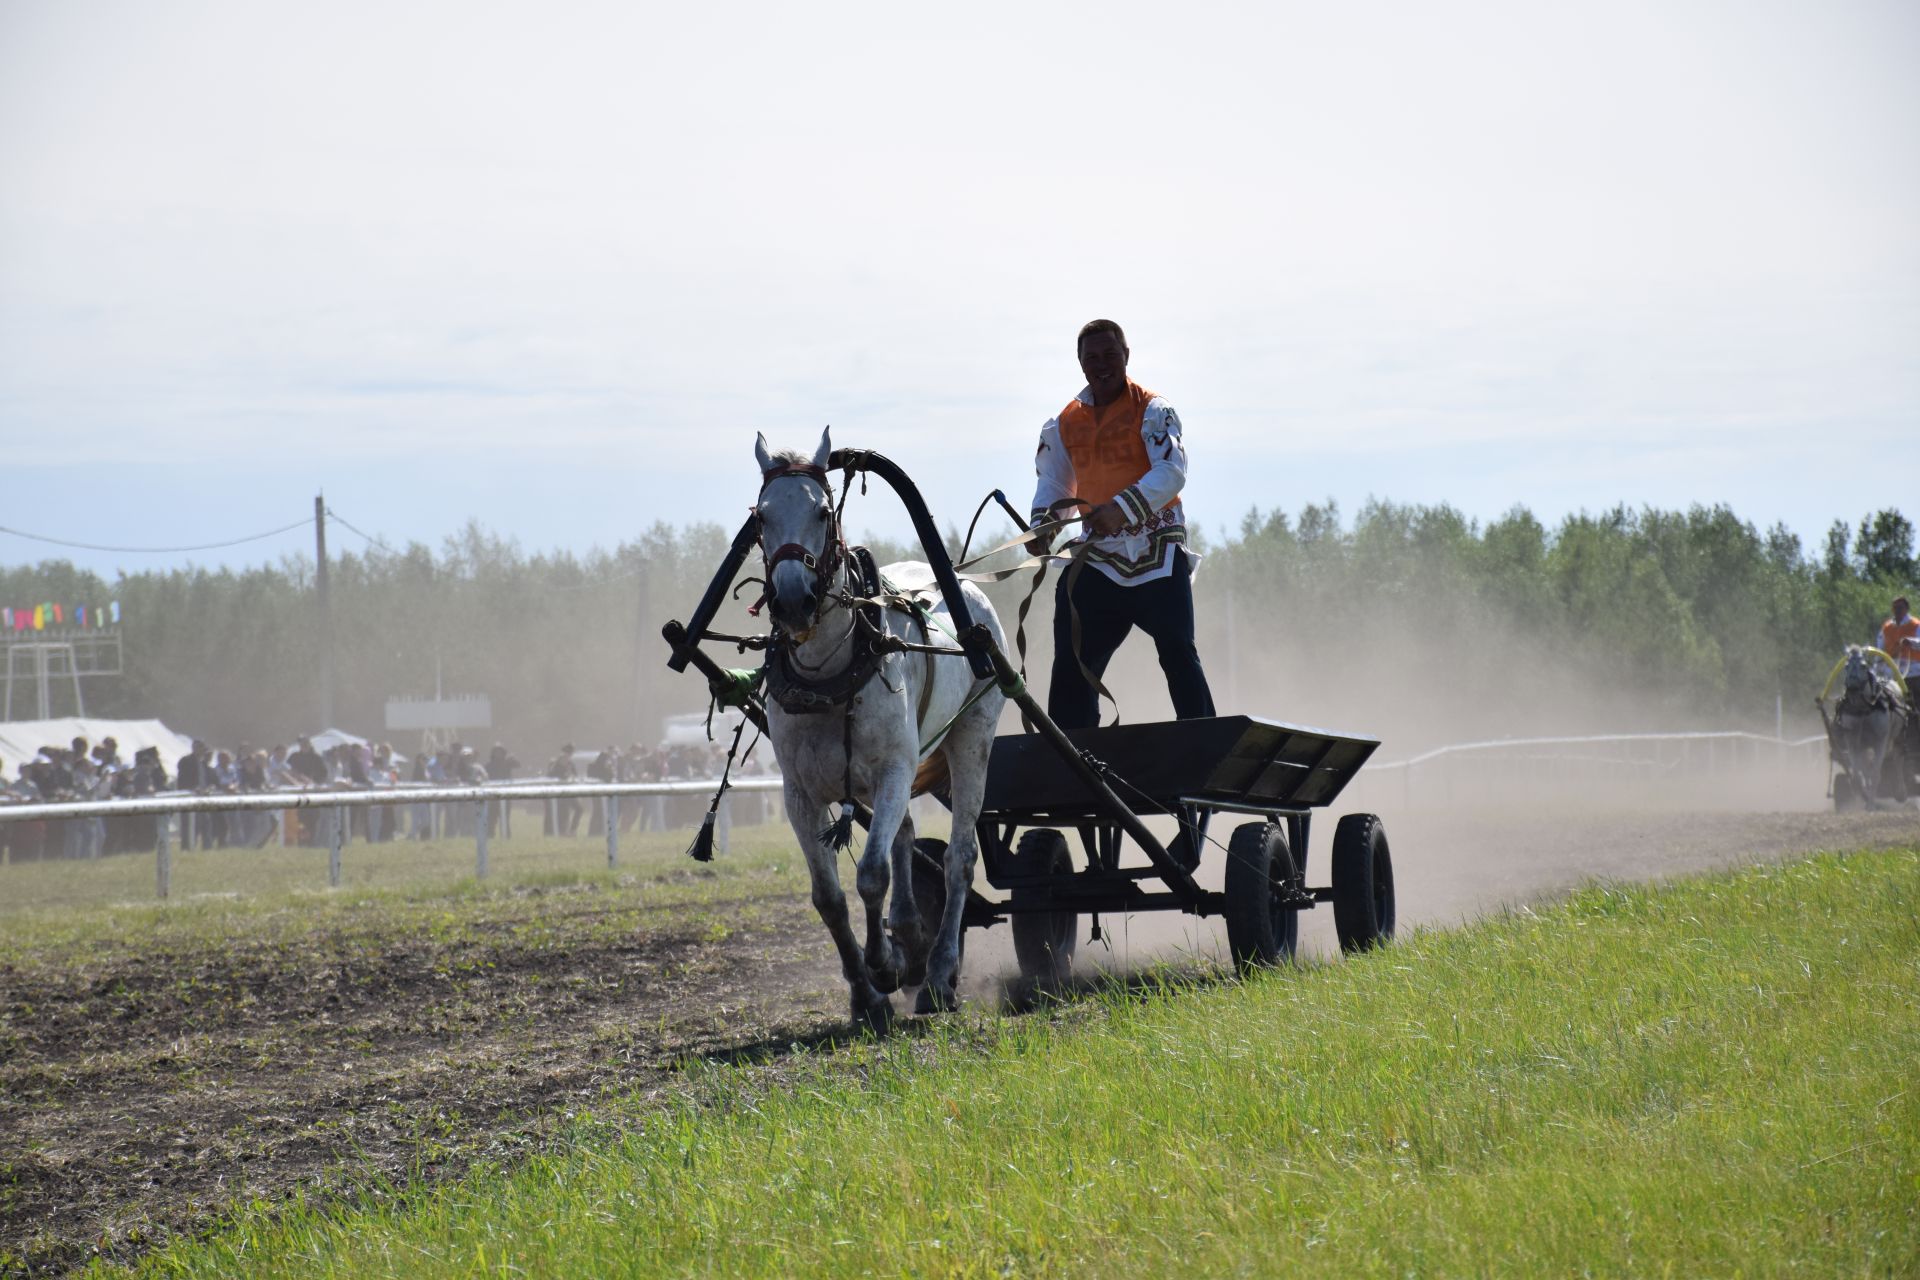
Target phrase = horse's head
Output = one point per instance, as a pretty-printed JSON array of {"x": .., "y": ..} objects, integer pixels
[
  {"x": 1858, "y": 677},
  {"x": 799, "y": 533}
]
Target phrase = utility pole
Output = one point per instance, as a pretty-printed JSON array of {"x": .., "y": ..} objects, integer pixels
[
  {"x": 326, "y": 610},
  {"x": 640, "y": 734}
]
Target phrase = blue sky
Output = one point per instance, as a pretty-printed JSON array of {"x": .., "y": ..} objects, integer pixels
[{"x": 552, "y": 267}]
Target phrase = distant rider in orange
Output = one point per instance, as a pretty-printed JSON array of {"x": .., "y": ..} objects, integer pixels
[
  {"x": 1117, "y": 447},
  {"x": 1900, "y": 640}
]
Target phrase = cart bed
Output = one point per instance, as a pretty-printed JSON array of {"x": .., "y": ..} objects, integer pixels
[{"x": 1224, "y": 762}]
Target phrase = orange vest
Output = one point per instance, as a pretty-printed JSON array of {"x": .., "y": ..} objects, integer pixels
[
  {"x": 1901, "y": 639},
  {"x": 1104, "y": 443}
]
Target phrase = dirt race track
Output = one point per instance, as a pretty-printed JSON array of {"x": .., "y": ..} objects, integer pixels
[{"x": 140, "y": 1092}]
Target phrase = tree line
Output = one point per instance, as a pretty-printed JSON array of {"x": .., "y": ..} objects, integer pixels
[{"x": 1695, "y": 610}]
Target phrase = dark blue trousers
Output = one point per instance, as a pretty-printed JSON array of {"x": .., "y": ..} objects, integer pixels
[{"x": 1108, "y": 611}]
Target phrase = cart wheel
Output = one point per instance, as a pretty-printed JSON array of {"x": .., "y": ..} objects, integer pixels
[
  {"x": 1846, "y": 793},
  {"x": 1043, "y": 942},
  {"x": 1260, "y": 874},
  {"x": 930, "y": 896},
  {"x": 1362, "y": 883}
]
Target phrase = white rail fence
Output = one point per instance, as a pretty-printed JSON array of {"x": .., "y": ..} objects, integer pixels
[
  {"x": 1461, "y": 768},
  {"x": 479, "y": 801}
]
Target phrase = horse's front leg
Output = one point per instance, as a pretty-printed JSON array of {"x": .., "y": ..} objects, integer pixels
[
  {"x": 870, "y": 1006},
  {"x": 885, "y": 960},
  {"x": 1867, "y": 763},
  {"x": 1881, "y": 749},
  {"x": 910, "y": 930}
]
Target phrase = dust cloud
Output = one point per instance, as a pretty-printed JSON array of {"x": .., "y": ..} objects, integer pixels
[{"x": 1479, "y": 831}]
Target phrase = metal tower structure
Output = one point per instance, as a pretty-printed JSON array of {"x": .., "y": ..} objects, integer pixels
[{"x": 58, "y": 654}]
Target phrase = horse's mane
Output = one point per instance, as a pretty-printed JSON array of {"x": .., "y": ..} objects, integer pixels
[{"x": 792, "y": 458}]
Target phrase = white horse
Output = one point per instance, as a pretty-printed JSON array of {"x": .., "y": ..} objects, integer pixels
[{"x": 841, "y": 735}]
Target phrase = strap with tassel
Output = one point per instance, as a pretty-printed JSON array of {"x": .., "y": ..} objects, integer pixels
[{"x": 701, "y": 850}]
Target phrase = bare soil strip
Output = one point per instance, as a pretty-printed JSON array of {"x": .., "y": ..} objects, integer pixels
[{"x": 141, "y": 1092}]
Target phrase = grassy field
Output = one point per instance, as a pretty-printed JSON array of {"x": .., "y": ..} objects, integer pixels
[
  {"x": 65, "y": 896},
  {"x": 1710, "y": 1078}
]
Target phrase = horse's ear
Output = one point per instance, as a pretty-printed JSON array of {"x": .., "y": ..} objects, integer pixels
[
  {"x": 825, "y": 451},
  {"x": 760, "y": 453}
]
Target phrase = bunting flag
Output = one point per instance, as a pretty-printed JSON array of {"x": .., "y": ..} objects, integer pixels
[{"x": 39, "y": 617}]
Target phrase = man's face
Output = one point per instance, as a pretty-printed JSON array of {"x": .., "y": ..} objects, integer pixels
[
  {"x": 1899, "y": 610},
  {"x": 1104, "y": 362}
]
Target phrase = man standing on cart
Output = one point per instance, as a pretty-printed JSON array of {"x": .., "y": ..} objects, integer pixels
[
  {"x": 1900, "y": 640},
  {"x": 1116, "y": 451}
]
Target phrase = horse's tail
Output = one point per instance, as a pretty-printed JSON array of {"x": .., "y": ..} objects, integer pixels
[{"x": 933, "y": 774}]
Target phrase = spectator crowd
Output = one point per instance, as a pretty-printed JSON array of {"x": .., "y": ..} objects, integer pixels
[{"x": 84, "y": 772}]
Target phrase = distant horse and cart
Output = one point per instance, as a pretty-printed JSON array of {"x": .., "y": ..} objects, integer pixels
[
  {"x": 1873, "y": 731},
  {"x": 883, "y": 683}
]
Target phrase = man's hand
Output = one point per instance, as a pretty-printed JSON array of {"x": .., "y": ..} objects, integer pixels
[
  {"x": 1042, "y": 530},
  {"x": 1107, "y": 518}
]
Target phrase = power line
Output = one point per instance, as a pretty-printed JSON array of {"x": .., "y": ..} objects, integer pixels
[
  {"x": 342, "y": 520},
  {"x": 205, "y": 546}
]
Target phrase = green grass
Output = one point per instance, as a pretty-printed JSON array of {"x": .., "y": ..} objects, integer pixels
[{"x": 1712, "y": 1078}]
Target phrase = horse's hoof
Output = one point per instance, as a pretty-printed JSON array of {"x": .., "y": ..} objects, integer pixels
[
  {"x": 911, "y": 951},
  {"x": 935, "y": 999},
  {"x": 874, "y": 1019},
  {"x": 885, "y": 970}
]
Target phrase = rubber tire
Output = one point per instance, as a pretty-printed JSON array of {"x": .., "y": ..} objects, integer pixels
[
  {"x": 930, "y": 896},
  {"x": 1260, "y": 932},
  {"x": 1363, "y": 911},
  {"x": 1043, "y": 942}
]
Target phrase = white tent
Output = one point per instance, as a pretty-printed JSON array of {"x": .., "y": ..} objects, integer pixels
[
  {"x": 21, "y": 740},
  {"x": 327, "y": 739}
]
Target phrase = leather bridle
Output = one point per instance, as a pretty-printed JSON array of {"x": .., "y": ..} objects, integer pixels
[{"x": 824, "y": 567}]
